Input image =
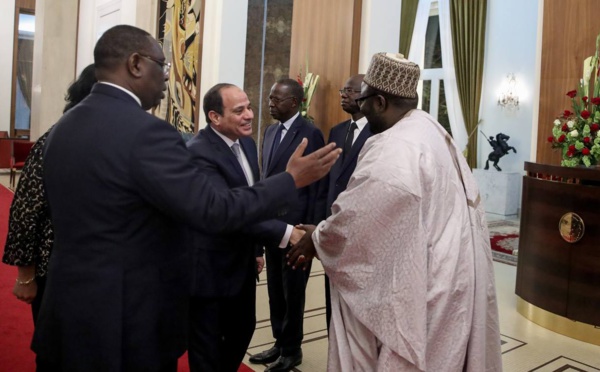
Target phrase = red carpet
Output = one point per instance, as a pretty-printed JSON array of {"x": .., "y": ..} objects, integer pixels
[
  {"x": 16, "y": 324},
  {"x": 504, "y": 238}
]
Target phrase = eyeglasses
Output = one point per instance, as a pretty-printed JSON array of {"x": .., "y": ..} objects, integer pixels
[
  {"x": 277, "y": 101},
  {"x": 359, "y": 101},
  {"x": 166, "y": 66},
  {"x": 348, "y": 91}
]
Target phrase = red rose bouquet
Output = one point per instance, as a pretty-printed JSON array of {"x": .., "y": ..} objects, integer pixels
[{"x": 576, "y": 132}]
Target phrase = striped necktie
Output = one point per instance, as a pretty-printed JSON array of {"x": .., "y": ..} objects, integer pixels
[{"x": 236, "y": 150}]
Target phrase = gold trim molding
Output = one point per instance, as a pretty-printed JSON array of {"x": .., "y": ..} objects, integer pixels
[{"x": 556, "y": 323}]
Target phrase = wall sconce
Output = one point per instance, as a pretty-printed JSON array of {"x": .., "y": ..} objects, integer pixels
[{"x": 508, "y": 98}]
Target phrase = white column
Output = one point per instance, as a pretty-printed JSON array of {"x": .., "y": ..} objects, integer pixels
[
  {"x": 54, "y": 52},
  {"x": 224, "y": 45}
]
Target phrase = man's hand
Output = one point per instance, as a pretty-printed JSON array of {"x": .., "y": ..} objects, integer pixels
[
  {"x": 312, "y": 167},
  {"x": 304, "y": 251},
  {"x": 260, "y": 264},
  {"x": 296, "y": 235}
]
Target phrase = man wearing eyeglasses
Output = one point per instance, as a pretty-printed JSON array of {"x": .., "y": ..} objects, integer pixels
[
  {"x": 120, "y": 184},
  {"x": 350, "y": 135},
  {"x": 286, "y": 287},
  {"x": 407, "y": 249}
]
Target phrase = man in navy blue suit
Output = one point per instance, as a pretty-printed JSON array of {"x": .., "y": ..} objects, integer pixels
[
  {"x": 350, "y": 135},
  {"x": 223, "y": 303},
  {"x": 120, "y": 184},
  {"x": 286, "y": 287}
]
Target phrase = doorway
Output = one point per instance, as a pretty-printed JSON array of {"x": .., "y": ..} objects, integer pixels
[{"x": 20, "y": 117}]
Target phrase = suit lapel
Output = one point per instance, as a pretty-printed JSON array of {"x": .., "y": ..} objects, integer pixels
[
  {"x": 286, "y": 141},
  {"x": 267, "y": 145},
  {"x": 225, "y": 153},
  {"x": 336, "y": 169},
  {"x": 339, "y": 136},
  {"x": 356, "y": 147}
]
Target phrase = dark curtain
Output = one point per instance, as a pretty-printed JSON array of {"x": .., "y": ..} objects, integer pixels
[
  {"x": 468, "y": 39},
  {"x": 407, "y": 24}
]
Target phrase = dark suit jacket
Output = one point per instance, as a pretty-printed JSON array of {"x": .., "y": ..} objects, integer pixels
[
  {"x": 223, "y": 262},
  {"x": 310, "y": 207},
  {"x": 342, "y": 170},
  {"x": 120, "y": 183}
]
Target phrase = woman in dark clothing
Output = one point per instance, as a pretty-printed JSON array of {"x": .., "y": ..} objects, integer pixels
[{"x": 30, "y": 237}]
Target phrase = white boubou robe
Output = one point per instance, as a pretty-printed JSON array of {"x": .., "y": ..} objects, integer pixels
[{"x": 407, "y": 252}]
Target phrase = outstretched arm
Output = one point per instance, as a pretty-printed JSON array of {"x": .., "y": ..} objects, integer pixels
[
  {"x": 162, "y": 169},
  {"x": 312, "y": 167}
]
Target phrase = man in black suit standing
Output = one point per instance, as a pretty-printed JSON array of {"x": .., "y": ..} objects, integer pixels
[
  {"x": 120, "y": 184},
  {"x": 223, "y": 303},
  {"x": 351, "y": 135},
  {"x": 286, "y": 287}
]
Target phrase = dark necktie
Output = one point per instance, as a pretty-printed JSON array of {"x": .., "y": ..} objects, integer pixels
[
  {"x": 349, "y": 140},
  {"x": 276, "y": 141}
]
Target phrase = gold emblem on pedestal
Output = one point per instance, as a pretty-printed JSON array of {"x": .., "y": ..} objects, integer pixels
[{"x": 571, "y": 227}]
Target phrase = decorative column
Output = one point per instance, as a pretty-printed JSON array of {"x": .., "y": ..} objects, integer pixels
[{"x": 54, "y": 55}]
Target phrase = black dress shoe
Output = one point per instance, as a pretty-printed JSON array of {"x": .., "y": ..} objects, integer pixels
[
  {"x": 267, "y": 356},
  {"x": 285, "y": 364}
]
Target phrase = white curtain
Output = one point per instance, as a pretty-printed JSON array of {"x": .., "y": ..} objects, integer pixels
[{"x": 417, "y": 48}]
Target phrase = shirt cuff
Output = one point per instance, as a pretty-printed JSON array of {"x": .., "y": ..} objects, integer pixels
[{"x": 286, "y": 237}]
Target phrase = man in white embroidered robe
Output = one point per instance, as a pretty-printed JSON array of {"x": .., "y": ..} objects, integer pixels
[{"x": 407, "y": 248}]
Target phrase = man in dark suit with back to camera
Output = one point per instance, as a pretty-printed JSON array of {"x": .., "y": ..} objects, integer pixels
[
  {"x": 350, "y": 135},
  {"x": 286, "y": 287},
  {"x": 223, "y": 303},
  {"x": 120, "y": 184}
]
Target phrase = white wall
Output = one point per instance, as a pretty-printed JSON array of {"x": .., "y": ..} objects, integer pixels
[
  {"x": 7, "y": 25},
  {"x": 97, "y": 15},
  {"x": 380, "y": 30},
  {"x": 511, "y": 46},
  {"x": 224, "y": 49}
]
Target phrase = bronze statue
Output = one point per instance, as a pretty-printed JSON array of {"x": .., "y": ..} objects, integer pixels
[{"x": 500, "y": 147}]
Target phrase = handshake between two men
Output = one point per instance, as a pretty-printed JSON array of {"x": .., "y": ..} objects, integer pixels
[
  {"x": 303, "y": 249},
  {"x": 306, "y": 170}
]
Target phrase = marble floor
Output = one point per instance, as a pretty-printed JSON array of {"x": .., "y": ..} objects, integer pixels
[{"x": 525, "y": 345}]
